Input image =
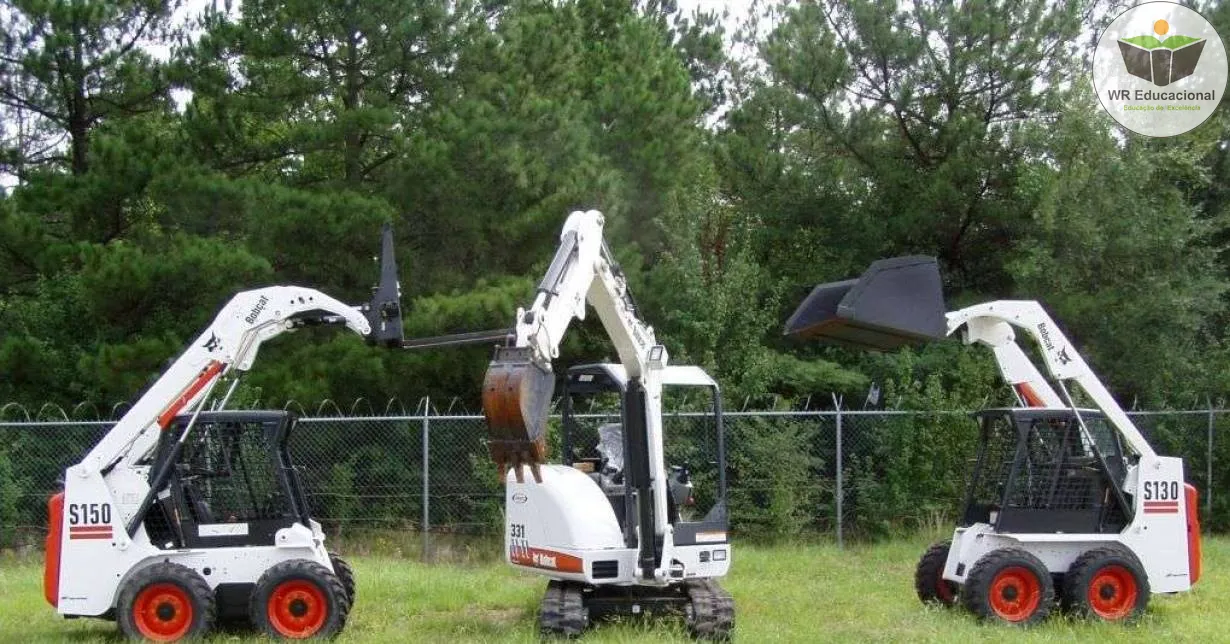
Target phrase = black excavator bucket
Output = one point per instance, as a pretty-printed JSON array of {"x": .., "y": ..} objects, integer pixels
[
  {"x": 896, "y": 301},
  {"x": 516, "y": 400}
]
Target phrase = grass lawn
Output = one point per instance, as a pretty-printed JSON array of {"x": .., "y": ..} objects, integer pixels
[{"x": 803, "y": 593}]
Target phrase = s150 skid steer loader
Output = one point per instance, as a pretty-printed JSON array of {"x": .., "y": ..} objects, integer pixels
[
  {"x": 1065, "y": 503},
  {"x": 184, "y": 514}
]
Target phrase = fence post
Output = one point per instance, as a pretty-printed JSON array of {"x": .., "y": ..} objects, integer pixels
[
  {"x": 1208, "y": 481},
  {"x": 426, "y": 529},
  {"x": 840, "y": 466}
]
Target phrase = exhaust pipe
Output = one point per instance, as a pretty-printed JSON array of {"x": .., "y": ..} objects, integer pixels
[{"x": 895, "y": 302}]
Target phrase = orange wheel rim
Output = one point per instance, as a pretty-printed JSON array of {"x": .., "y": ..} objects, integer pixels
[
  {"x": 1015, "y": 594},
  {"x": 943, "y": 589},
  {"x": 297, "y": 608},
  {"x": 163, "y": 612},
  {"x": 1112, "y": 592}
]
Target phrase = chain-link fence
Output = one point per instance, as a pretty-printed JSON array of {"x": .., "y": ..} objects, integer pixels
[{"x": 849, "y": 474}]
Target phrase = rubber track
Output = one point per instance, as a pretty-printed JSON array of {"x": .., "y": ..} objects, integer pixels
[
  {"x": 563, "y": 611},
  {"x": 712, "y": 616}
]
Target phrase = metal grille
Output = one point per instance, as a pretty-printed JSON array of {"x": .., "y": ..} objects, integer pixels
[
  {"x": 1058, "y": 470},
  {"x": 841, "y": 473},
  {"x": 228, "y": 474}
]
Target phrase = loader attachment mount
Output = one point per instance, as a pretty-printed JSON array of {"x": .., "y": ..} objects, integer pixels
[
  {"x": 896, "y": 301},
  {"x": 516, "y": 400},
  {"x": 383, "y": 311}
]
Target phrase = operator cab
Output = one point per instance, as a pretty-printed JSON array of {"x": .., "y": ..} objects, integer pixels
[
  {"x": 1053, "y": 470},
  {"x": 593, "y": 440},
  {"x": 233, "y": 483}
]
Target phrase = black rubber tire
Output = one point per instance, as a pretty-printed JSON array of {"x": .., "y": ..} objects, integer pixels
[
  {"x": 1004, "y": 566},
  {"x": 1086, "y": 569},
  {"x": 345, "y": 573},
  {"x": 193, "y": 587},
  {"x": 929, "y": 582},
  {"x": 330, "y": 587}
]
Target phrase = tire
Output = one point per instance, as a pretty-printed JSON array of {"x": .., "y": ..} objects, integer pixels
[
  {"x": 1108, "y": 584},
  {"x": 345, "y": 574},
  {"x": 299, "y": 599},
  {"x": 1009, "y": 585},
  {"x": 166, "y": 602},
  {"x": 929, "y": 580}
]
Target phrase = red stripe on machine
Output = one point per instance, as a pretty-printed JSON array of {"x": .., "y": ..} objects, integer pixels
[
  {"x": 207, "y": 374},
  {"x": 545, "y": 559},
  {"x": 1161, "y": 507},
  {"x": 89, "y": 532},
  {"x": 89, "y": 528},
  {"x": 1028, "y": 394}
]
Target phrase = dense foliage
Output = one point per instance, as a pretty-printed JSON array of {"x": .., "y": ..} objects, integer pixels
[{"x": 156, "y": 166}]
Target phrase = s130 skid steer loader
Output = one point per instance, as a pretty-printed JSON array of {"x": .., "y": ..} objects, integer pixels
[
  {"x": 1064, "y": 502},
  {"x": 184, "y": 514}
]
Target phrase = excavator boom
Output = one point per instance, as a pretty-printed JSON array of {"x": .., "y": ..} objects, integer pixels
[{"x": 519, "y": 383}]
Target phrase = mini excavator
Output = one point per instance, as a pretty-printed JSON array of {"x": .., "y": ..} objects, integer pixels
[
  {"x": 1066, "y": 505},
  {"x": 606, "y": 530},
  {"x": 185, "y": 514}
]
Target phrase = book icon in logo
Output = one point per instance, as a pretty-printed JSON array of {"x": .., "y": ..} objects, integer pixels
[{"x": 1159, "y": 61}]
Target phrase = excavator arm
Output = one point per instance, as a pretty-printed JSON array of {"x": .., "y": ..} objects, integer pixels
[{"x": 519, "y": 383}]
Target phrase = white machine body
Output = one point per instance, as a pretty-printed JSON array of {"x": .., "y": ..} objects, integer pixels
[
  {"x": 564, "y": 524},
  {"x": 1160, "y": 531},
  {"x": 91, "y": 552},
  {"x": 565, "y": 528}
]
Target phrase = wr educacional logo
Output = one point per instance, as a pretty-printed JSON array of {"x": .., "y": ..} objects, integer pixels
[
  {"x": 1158, "y": 61},
  {"x": 1159, "y": 69}
]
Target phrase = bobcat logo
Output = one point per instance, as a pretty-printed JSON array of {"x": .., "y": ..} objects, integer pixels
[
  {"x": 1064, "y": 358},
  {"x": 212, "y": 343}
]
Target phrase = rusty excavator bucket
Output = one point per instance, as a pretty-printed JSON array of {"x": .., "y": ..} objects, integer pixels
[
  {"x": 895, "y": 302},
  {"x": 516, "y": 400}
]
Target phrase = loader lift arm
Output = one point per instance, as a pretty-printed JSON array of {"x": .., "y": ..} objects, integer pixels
[
  {"x": 229, "y": 346},
  {"x": 519, "y": 383},
  {"x": 991, "y": 324}
]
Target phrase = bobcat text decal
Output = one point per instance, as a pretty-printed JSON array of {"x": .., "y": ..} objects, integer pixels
[{"x": 523, "y": 555}]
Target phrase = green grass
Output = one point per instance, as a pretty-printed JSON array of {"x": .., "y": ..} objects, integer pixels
[
  {"x": 802, "y": 593},
  {"x": 1151, "y": 42}
]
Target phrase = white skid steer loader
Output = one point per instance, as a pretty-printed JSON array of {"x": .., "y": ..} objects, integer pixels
[
  {"x": 183, "y": 514},
  {"x": 1065, "y": 504}
]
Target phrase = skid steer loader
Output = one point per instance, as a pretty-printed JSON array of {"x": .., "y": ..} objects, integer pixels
[
  {"x": 183, "y": 514},
  {"x": 1065, "y": 504}
]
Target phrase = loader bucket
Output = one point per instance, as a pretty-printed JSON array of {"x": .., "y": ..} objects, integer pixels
[
  {"x": 516, "y": 399},
  {"x": 897, "y": 301}
]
